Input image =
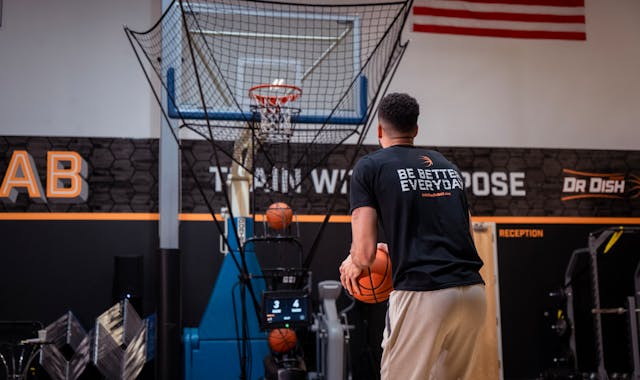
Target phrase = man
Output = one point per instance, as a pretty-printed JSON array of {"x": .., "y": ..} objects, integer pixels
[{"x": 438, "y": 304}]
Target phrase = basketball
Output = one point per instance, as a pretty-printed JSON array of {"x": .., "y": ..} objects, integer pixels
[
  {"x": 376, "y": 282},
  {"x": 282, "y": 340},
  {"x": 279, "y": 215}
]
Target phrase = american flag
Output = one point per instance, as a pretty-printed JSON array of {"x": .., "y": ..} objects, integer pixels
[{"x": 535, "y": 19}]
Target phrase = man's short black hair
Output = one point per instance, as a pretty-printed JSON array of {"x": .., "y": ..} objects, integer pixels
[{"x": 399, "y": 110}]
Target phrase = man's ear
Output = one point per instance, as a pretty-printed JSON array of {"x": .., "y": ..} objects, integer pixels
[
  {"x": 379, "y": 131},
  {"x": 415, "y": 132}
]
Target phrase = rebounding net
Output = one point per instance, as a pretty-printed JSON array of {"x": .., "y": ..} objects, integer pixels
[
  {"x": 273, "y": 86},
  {"x": 276, "y": 89}
]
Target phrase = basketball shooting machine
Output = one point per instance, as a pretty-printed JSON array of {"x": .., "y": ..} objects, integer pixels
[{"x": 275, "y": 88}]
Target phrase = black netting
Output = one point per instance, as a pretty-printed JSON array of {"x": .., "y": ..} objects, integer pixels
[{"x": 209, "y": 54}]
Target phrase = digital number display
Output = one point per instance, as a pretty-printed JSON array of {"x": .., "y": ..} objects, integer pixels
[{"x": 285, "y": 308}]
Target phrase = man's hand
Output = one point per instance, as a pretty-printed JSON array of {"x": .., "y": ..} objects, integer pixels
[{"x": 349, "y": 273}]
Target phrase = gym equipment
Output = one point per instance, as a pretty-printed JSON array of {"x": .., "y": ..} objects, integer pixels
[
  {"x": 229, "y": 341},
  {"x": 332, "y": 62},
  {"x": 118, "y": 346},
  {"x": 274, "y": 87},
  {"x": 121, "y": 342},
  {"x": 596, "y": 240},
  {"x": 18, "y": 348},
  {"x": 332, "y": 334},
  {"x": 598, "y": 253},
  {"x": 286, "y": 307},
  {"x": 63, "y": 336}
]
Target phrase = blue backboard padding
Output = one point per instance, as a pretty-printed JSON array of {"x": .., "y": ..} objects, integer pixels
[{"x": 175, "y": 113}]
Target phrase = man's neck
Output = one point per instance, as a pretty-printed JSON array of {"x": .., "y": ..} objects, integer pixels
[{"x": 389, "y": 142}]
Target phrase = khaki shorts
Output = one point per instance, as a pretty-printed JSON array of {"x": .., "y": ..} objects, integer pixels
[{"x": 431, "y": 335}]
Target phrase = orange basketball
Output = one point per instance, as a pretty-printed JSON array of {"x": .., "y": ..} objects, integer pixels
[
  {"x": 279, "y": 215},
  {"x": 282, "y": 340},
  {"x": 376, "y": 283}
]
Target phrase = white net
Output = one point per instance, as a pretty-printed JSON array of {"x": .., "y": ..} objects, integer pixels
[{"x": 275, "y": 105}]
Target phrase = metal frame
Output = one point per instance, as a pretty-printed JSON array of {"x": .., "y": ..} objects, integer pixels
[
  {"x": 169, "y": 165},
  {"x": 169, "y": 323},
  {"x": 596, "y": 239},
  {"x": 176, "y": 112},
  {"x": 331, "y": 334},
  {"x": 594, "y": 244},
  {"x": 568, "y": 288},
  {"x": 635, "y": 320},
  {"x": 632, "y": 312}
]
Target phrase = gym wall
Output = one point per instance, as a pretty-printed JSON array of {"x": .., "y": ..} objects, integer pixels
[
  {"x": 546, "y": 132},
  {"x": 59, "y": 256},
  {"x": 71, "y": 72}
]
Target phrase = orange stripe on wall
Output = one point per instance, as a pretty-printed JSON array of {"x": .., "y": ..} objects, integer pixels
[
  {"x": 198, "y": 217},
  {"x": 554, "y": 220},
  {"x": 260, "y": 218},
  {"x": 123, "y": 216},
  {"x": 78, "y": 216}
]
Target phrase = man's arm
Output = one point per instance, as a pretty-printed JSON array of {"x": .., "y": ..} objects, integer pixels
[{"x": 364, "y": 231}]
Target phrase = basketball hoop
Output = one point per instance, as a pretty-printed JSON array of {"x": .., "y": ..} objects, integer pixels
[{"x": 272, "y": 103}]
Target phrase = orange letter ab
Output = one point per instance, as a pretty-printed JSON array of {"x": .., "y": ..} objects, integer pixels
[
  {"x": 66, "y": 182},
  {"x": 21, "y": 174}
]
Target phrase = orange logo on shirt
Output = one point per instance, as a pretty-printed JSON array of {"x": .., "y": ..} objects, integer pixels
[{"x": 427, "y": 160}]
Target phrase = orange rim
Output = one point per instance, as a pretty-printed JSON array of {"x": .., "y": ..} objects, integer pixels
[{"x": 293, "y": 94}]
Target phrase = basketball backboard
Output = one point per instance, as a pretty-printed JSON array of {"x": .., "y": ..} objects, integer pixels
[{"x": 229, "y": 49}]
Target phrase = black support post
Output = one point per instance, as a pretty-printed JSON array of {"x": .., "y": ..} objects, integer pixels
[{"x": 169, "y": 325}]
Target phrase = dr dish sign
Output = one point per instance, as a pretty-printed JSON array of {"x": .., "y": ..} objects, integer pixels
[{"x": 66, "y": 178}]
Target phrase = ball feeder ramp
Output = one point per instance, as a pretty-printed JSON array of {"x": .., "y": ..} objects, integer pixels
[{"x": 315, "y": 73}]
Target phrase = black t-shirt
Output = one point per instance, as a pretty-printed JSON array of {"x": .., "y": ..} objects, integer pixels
[{"x": 420, "y": 200}]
